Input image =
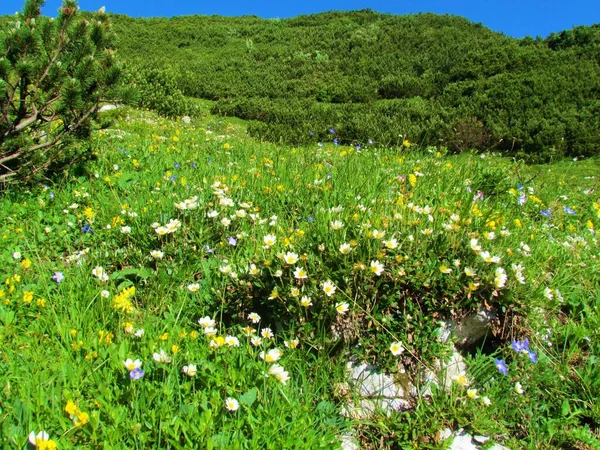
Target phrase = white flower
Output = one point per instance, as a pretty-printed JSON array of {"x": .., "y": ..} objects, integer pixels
[
  {"x": 391, "y": 244},
  {"x": 156, "y": 254},
  {"x": 500, "y": 278},
  {"x": 336, "y": 225},
  {"x": 210, "y": 331},
  {"x": 377, "y": 267},
  {"x": 232, "y": 341},
  {"x": 253, "y": 317},
  {"x": 279, "y": 373},
  {"x": 345, "y": 249},
  {"x": 36, "y": 439},
  {"x": 99, "y": 273},
  {"x": 161, "y": 357},
  {"x": 518, "y": 388},
  {"x": 271, "y": 356},
  {"x": 225, "y": 222},
  {"x": 212, "y": 213},
  {"x": 206, "y": 322},
  {"x": 190, "y": 370},
  {"x": 231, "y": 404},
  {"x": 329, "y": 288},
  {"x": 16, "y": 255},
  {"x": 131, "y": 364},
  {"x": 475, "y": 245},
  {"x": 269, "y": 240},
  {"x": 396, "y": 348},
  {"x": 290, "y": 258},
  {"x": 342, "y": 308},
  {"x": 378, "y": 234},
  {"x": 194, "y": 287},
  {"x": 105, "y": 294},
  {"x": 125, "y": 230},
  {"x": 306, "y": 301},
  {"x": 267, "y": 333},
  {"x": 256, "y": 341},
  {"x": 300, "y": 273}
]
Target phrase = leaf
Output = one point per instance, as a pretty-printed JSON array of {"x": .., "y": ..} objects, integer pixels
[
  {"x": 249, "y": 397},
  {"x": 566, "y": 408}
]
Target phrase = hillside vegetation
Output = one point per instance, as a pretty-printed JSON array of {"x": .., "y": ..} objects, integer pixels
[{"x": 434, "y": 80}]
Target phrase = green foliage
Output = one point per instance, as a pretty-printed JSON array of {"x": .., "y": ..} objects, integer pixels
[
  {"x": 54, "y": 73},
  {"x": 158, "y": 90},
  {"x": 449, "y": 81}
]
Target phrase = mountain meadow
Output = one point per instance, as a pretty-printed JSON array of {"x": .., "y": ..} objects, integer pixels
[{"x": 344, "y": 230}]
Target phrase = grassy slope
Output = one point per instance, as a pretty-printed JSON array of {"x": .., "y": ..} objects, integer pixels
[{"x": 69, "y": 343}]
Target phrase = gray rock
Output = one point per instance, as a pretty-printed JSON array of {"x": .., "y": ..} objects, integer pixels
[{"x": 472, "y": 328}]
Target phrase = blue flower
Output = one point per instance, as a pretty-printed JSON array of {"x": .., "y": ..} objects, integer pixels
[
  {"x": 231, "y": 241},
  {"x": 520, "y": 346},
  {"x": 569, "y": 211},
  {"x": 87, "y": 229},
  {"x": 501, "y": 366},
  {"x": 177, "y": 165},
  {"x": 336, "y": 142},
  {"x": 546, "y": 213},
  {"x": 136, "y": 374},
  {"x": 58, "y": 277},
  {"x": 358, "y": 147},
  {"x": 310, "y": 219},
  {"x": 520, "y": 186},
  {"x": 193, "y": 165},
  {"x": 532, "y": 356},
  {"x": 312, "y": 133},
  {"x": 331, "y": 130},
  {"x": 207, "y": 249},
  {"x": 173, "y": 178}
]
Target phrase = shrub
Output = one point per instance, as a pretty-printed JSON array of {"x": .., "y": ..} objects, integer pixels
[{"x": 53, "y": 75}]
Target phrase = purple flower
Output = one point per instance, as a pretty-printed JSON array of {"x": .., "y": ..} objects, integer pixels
[
  {"x": 51, "y": 194},
  {"x": 177, "y": 165},
  {"x": 501, "y": 366},
  {"x": 331, "y": 130},
  {"x": 58, "y": 277},
  {"x": 546, "y": 213},
  {"x": 312, "y": 133},
  {"x": 329, "y": 176},
  {"x": 87, "y": 229},
  {"x": 336, "y": 142},
  {"x": 520, "y": 346},
  {"x": 522, "y": 199},
  {"x": 569, "y": 211},
  {"x": 478, "y": 196},
  {"x": 231, "y": 241},
  {"x": 173, "y": 178},
  {"x": 193, "y": 165},
  {"x": 207, "y": 249},
  {"x": 136, "y": 374},
  {"x": 532, "y": 356}
]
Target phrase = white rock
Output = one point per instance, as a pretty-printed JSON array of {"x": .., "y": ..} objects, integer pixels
[
  {"x": 107, "y": 108},
  {"x": 349, "y": 442},
  {"x": 462, "y": 441}
]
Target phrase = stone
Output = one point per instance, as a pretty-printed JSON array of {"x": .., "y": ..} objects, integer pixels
[
  {"x": 349, "y": 442},
  {"x": 474, "y": 327},
  {"x": 443, "y": 373},
  {"x": 104, "y": 108}
]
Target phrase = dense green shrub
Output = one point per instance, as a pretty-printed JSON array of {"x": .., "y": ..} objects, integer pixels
[
  {"x": 53, "y": 76},
  {"x": 450, "y": 81}
]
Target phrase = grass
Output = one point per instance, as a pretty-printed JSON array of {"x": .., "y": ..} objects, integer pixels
[{"x": 412, "y": 222}]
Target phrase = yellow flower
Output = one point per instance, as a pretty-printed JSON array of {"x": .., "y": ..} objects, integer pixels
[
  {"x": 71, "y": 408},
  {"x": 89, "y": 213},
  {"x": 26, "y": 263},
  {"x": 27, "y": 296}
]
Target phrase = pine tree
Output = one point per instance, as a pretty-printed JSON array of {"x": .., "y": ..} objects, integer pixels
[{"x": 54, "y": 73}]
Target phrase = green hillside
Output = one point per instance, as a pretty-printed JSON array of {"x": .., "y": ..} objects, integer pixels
[{"x": 431, "y": 79}]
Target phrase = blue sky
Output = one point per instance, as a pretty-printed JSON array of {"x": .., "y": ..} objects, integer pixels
[{"x": 511, "y": 17}]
